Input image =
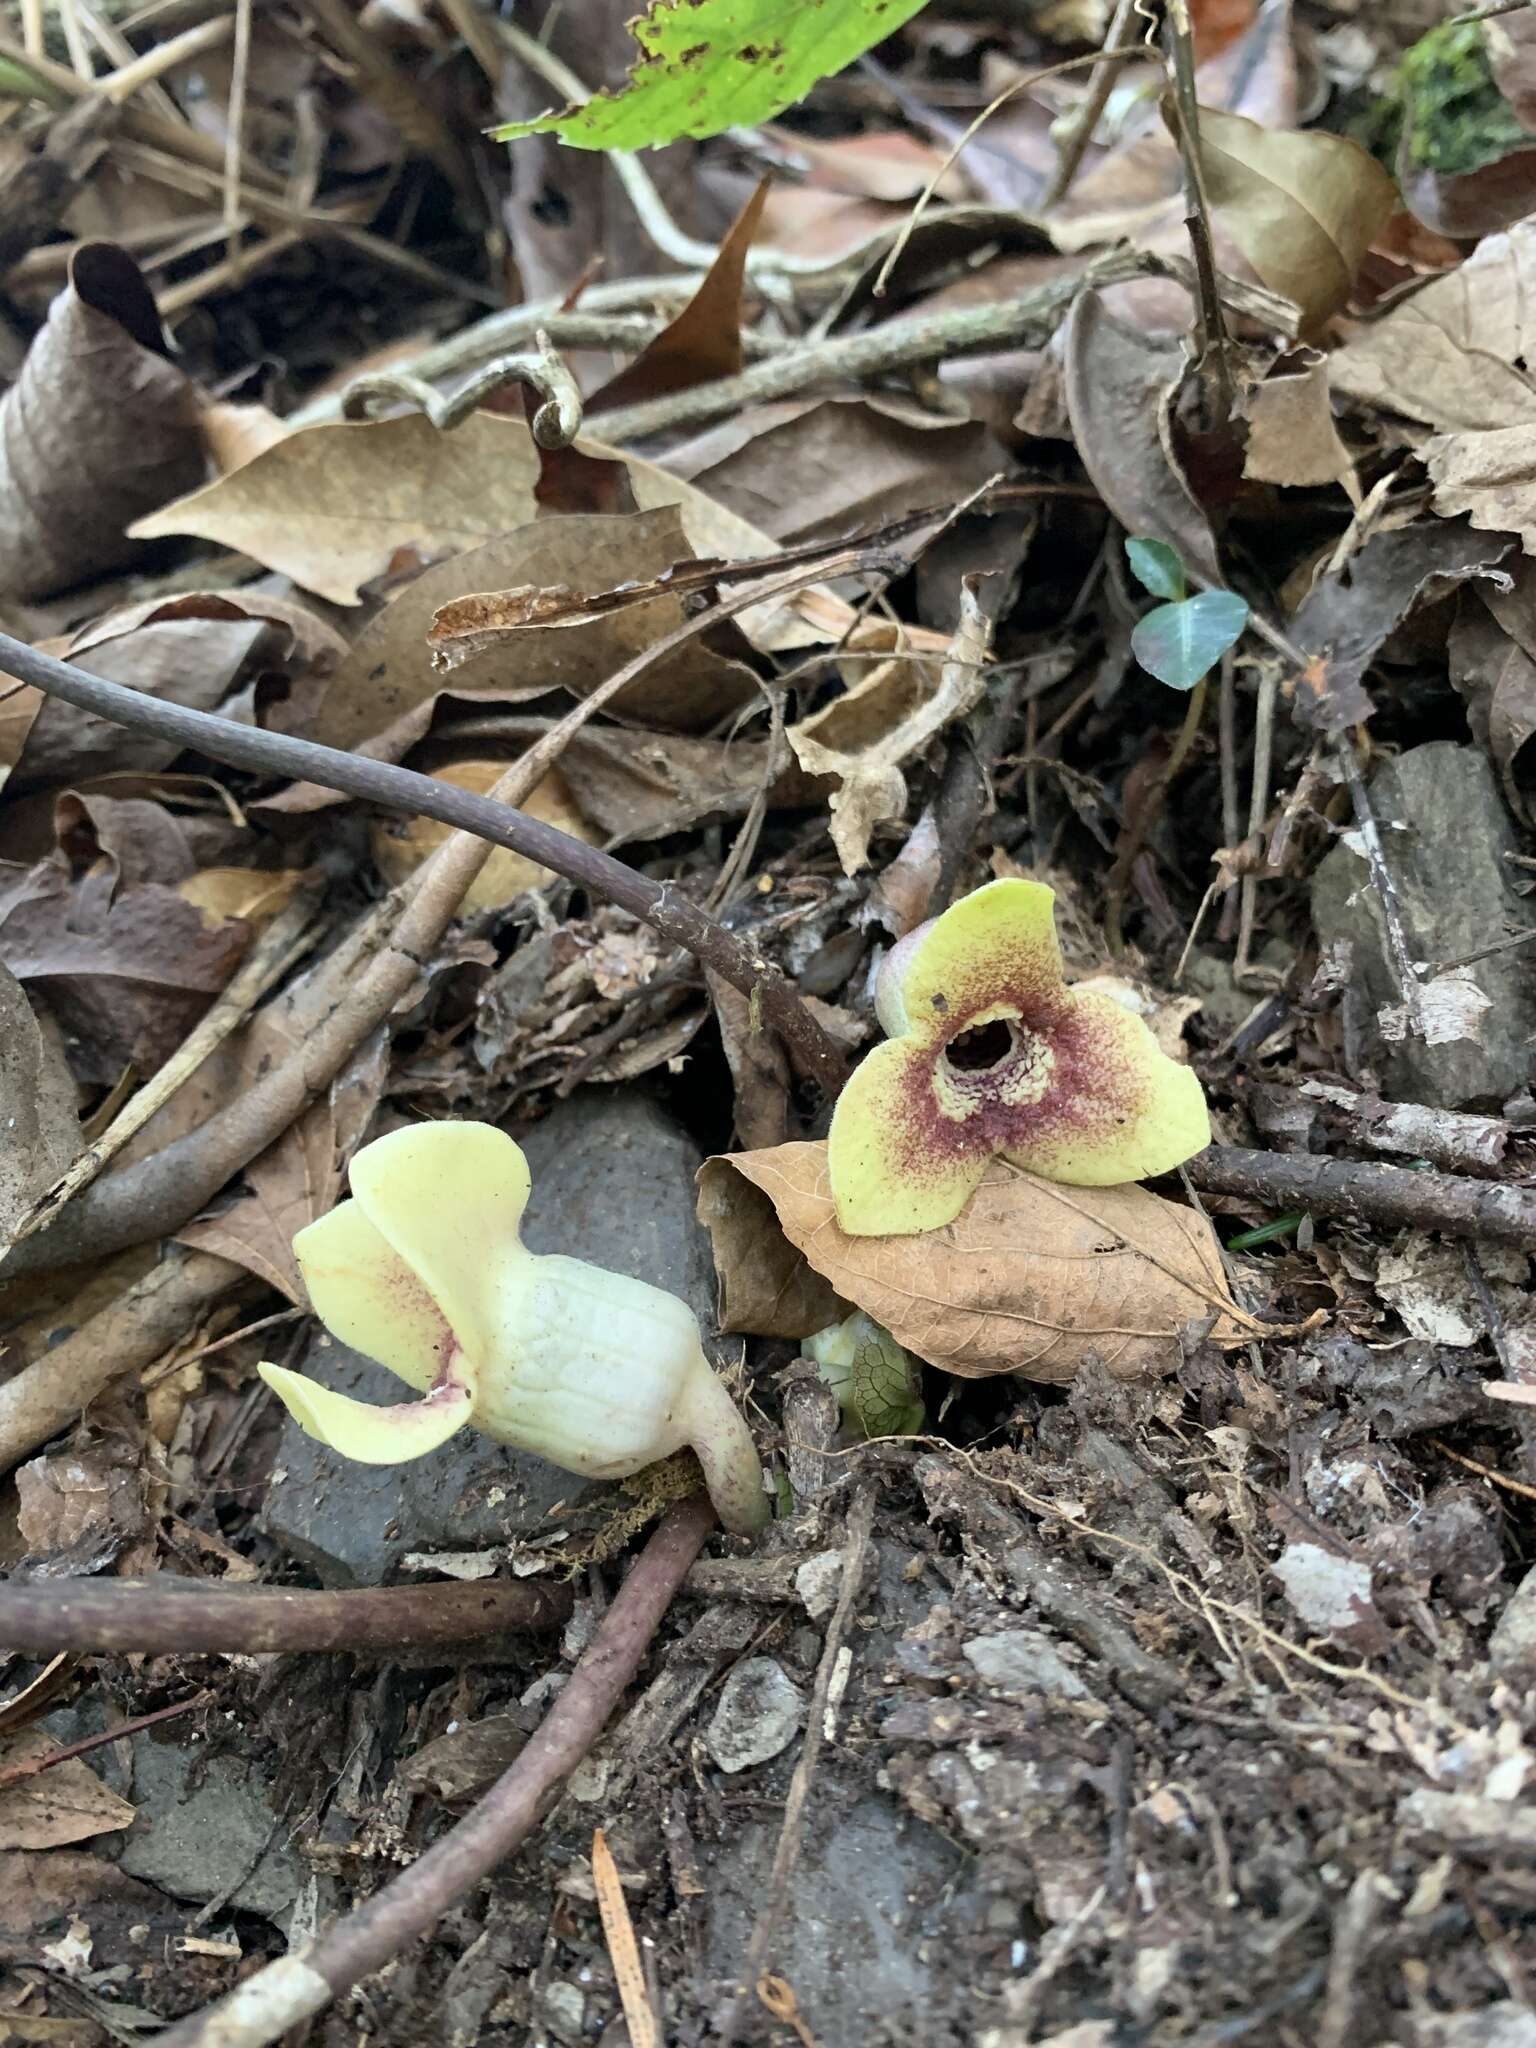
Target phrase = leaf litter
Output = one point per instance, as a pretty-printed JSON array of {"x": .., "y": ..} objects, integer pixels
[{"x": 1207, "y": 1587}]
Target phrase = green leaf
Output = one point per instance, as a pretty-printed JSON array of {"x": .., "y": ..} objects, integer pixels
[
  {"x": 1155, "y": 565},
  {"x": 709, "y": 65},
  {"x": 1180, "y": 643}
]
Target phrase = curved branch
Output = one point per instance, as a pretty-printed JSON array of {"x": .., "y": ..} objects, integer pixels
[{"x": 267, "y": 2004}]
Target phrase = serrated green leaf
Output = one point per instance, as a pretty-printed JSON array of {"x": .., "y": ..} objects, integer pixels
[
  {"x": 1155, "y": 565},
  {"x": 1180, "y": 643},
  {"x": 709, "y": 65}
]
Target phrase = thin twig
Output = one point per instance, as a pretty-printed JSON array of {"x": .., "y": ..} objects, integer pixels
[
  {"x": 1231, "y": 815},
  {"x": 856, "y": 1535},
  {"x": 1381, "y": 880},
  {"x": 1075, "y": 137},
  {"x": 288, "y": 1991},
  {"x": 1032, "y": 317},
  {"x": 1214, "y": 340},
  {"x": 234, "y": 141},
  {"x": 171, "y": 1617},
  {"x": 34, "y": 1766},
  {"x": 1367, "y": 1192}
]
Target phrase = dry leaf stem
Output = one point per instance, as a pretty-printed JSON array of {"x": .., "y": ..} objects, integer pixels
[
  {"x": 171, "y": 1617},
  {"x": 1075, "y": 137},
  {"x": 289, "y": 1990},
  {"x": 1214, "y": 341},
  {"x": 1369, "y": 1193}
]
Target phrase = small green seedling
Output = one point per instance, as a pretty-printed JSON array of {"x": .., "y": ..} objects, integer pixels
[
  {"x": 991, "y": 1053},
  {"x": 1181, "y": 641},
  {"x": 424, "y": 1270}
]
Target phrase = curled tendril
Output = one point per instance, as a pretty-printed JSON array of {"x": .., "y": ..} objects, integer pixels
[{"x": 555, "y": 424}]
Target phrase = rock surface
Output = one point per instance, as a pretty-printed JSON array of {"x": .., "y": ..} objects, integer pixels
[
  {"x": 612, "y": 1183},
  {"x": 1445, "y": 835},
  {"x": 1512, "y": 1646},
  {"x": 758, "y": 1714},
  {"x": 207, "y": 1828}
]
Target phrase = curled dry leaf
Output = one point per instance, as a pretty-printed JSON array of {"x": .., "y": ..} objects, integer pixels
[
  {"x": 863, "y": 738},
  {"x": 1347, "y": 616},
  {"x": 98, "y": 428},
  {"x": 1292, "y": 440},
  {"x": 330, "y": 505},
  {"x": 1120, "y": 388},
  {"x": 1031, "y": 1278},
  {"x": 1492, "y": 654},
  {"x": 1302, "y": 207},
  {"x": 1450, "y": 354}
]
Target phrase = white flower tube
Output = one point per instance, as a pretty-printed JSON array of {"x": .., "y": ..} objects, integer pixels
[{"x": 424, "y": 1271}]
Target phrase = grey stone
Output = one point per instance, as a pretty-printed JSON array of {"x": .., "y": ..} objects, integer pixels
[
  {"x": 859, "y": 1920},
  {"x": 758, "y": 1715},
  {"x": 1024, "y": 1660},
  {"x": 202, "y": 1831},
  {"x": 1512, "y": 1646},
  {"x": 612, "y": 1183},
  {"x": 1445, "y": 835},
  {"x": 1501, "y": 2025}
]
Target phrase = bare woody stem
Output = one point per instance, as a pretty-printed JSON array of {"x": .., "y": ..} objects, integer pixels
[
  {"x": 660, "y": 904},
  {"x": 276, "y": 1998},
  {"x": 1368, "y": 1193},
  {"x": 167, "y": 1616}
]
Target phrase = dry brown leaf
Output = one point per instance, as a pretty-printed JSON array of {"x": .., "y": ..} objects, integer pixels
[
  {"x": 400, "y": 845},
  {"x": 37, "y": 1106},
  {"x": 388, "y": 677},
  {"x": 1450, "y": 354},
  {"x": 330, "y": 505},
  {"x": 297, "y": 1180},
  {"x": 704, "y": 341},
  {"x": 1302, "y": 206},
  {"x": 1490, "y": 477},
  {"x": 237, "y": 434},
  {"x": 19, "y": 705},
  {"x": 1031, "y": 1278},
  {"x": 98, "y": 428},
  {"x": 1292, "y": 440},
  {"x": 78, "y": 1510},
  {"x": 67, "y": 1803},
  {"x": 254, "y": 894},
  {"x": 204, "y": 651},
  {"x": 809, "y": 469},
  {"x": 1347, "y": 616},
  {"x": 759, "y": 1069},
  {"x": 768, "y": 1288},
  {"x": 863, "y": 738},
  {"x": 1120, "y": 388},
  {"x": 882, "y": 163}
]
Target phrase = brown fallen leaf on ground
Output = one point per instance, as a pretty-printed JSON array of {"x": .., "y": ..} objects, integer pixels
[
  {"x": 204, "y": 650},
  {"x": 1031, "y": 1278},
  {"x": 98, "y": 428},
  {"x": 37, "y": 1106},
  {"x": 65, "y": 1803},
  {"x": 1292, "y": 440},
  {"x": 387, "y": 684},
  {"x": 817, "y": 468},
  {"x": 1450, "y": 355},
  {"x": 1346, "y": 617},
  {"x": 78, "y": 1510},
  {"x": 1302, "y": 207},
  {"x": 704, "y": 341},
  {"x": 330, "y": 505}
]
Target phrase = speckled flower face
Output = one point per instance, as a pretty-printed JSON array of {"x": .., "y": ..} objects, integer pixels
[{"x": 990, "y": 1052}]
